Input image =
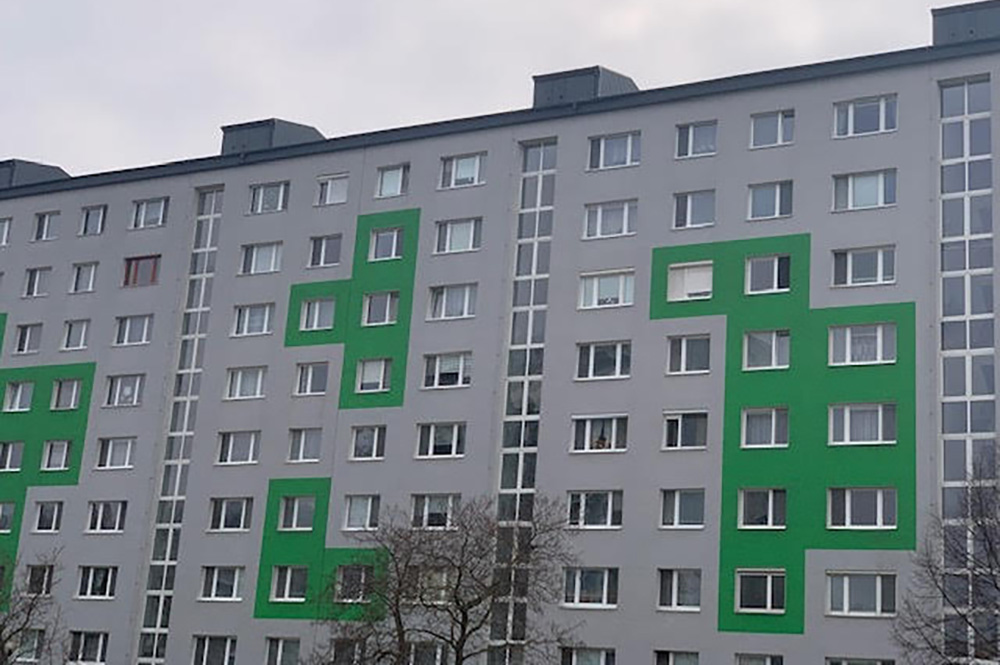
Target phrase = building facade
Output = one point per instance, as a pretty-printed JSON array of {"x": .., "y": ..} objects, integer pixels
[{"x": 744, "y": 328}]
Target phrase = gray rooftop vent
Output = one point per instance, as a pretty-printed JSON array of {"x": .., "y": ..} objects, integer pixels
[
  {"x": 264, "y": 134},
  {"x": 17, "y": 172},
  {"x": 580, "y": 85},
  {"x": 966, "y": 23}
]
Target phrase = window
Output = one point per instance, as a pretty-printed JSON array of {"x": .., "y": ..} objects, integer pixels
[
  {"x": 374, "y": 375},
  {"x": 141, "y": 270},
  {"x": 768, "y": 274},
  {"x": 317, "y": 314},
  {"x": 610, "y": 219},
  {"x": 598, "y": 509},
  {"x": 591, "y": 587},
  {"x": 231, "y": 514},
  {"x": 84, "y": 277},
  {"x": 352, "y": 583},
  {"x": 694, "y": 209},
  {"x": 454, "y": 301},
  {"x": 245, "y": 382},
  {"x": 386, "y": 244},
  {"x": 238, "y": 447},
  {"x": 859, "y": 661},
  {"x": 290, "y": 583},
  {"x": 770, "y": 200},
  {"x": 609, "y": 289},
  {"x": 213, "y": 650},
  {"x": 268, "y": 197},
  {"x": 583, "y": 656},
  {"x": 765, "y": 428},
  {"x": 349, "y": 652},
  {"x": 462, "y": 171},
  {"x": 368, "y": 443},
  {"x": 863, "y": 345},
  {"x": 696, "y": 139},
  {"x": 136, "y": 329},
  {"x": 45, "y": 226},
  {"x": 97, "y": 582},
  {"x": 682, "y": 508},
  {"x": 149, "y": 213},
  {"x": 853, "y": 424},
  {"x": 760, "y": 591},
  {"x": 75, "y": 334},
  {"x": 770, "y": 129},
  {"x": 11, "y": 453},
  {"x": 306, "y": 443},
  {"x": 760, "y": 659},
  {"x": 393, "y": 181},
  {"x": 861, "y": 508},
  {"x": 87, "y": 647},
  {"x": 458, "y": 235},
  {"x": 324, "y": 251},
  {"x": 107, "y": 516},
  {"x": 65, "y": 394},
  {"x": 858, "y": 191},
  {"x": 36, "y": 282},
  {"x": 297, "y": 513},
  {"x": 685, "y": 430},
  {"x": 854, "y": 267},
  {"x": 680, "y": 589},
  {"x": 762, "y": 508},
  {"x": 862, "y": 594},
  {"x": 5, "y": 223},
  {"x": 434, "y": 511},
  {"x": 311, "y": 378},
  {"x": 688, "y": 355},
  {"x": 92, "y": 221},
  {"x": 692, "y": 281},
  {"x": 381, "y": 309},
  {"x": 331, "y": 189},
  {"x": 6, "y": 517},
  {"x": 615, "y": 150},
  {"x": 441, "y": 440},
  {"x": 115, "y": 453},
  {"x": 283, "y": 651},
  {"x": 600, "y": 433},
  {"x": 362, "y": 512},
  {"x": 220, "y": 583},
  {"x": 261, "y": 258},
  {"x": 604, "y": 360},
  {"x": 55, "y": 456},
  {"x": 767, "y": 349},
  {"x": 448, "y": 370},
  {"x": 48, "y": 516},
  {"x": 40, "y": 580},
  {"x": 29, "y": 338},
  {"x": 676, "y": 658},
  {"x": 124, "y": 390},
  {"x": 17, "y": 397},
  {"x": 253, "y": 319},
  {"x": 869, "y": 115}
]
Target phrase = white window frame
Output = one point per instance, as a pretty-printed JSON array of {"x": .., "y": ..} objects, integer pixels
[
  {"x": 124, "y": 390},
  {"x": 766, "y": 659},
  {"x": 882, "y": 498},
  {"x": 671, "y": 511},
  {"x": 28, "y": 339},
  {"x": 282, "y": 650},
  {"x": 244, "y": 315},
  {"x": 775, "y": 338},
  {"x": 445, "y": 235},
  {"x": 6, "y": 516},
  {"x": 422, "y": 510},
  {"x": 57, "y": 511},
  {"x": 784, "y": 117},
  {"x": 311, "y": 314},
  {"x": 777, "y": 187},
  {"x": 85, "y": 220},
  {"x": 572, "y": 590},
  {"x": 300, "y": 440},
  {"x": 90, "y": 586},
  {"x": 251, "y": 254},
  {"x": 382, "y": 190},
  {"x": 454, "y": 434},
  {"x": 673, "y": 604},
  {"x": 44, "y": 228},
  {"x": 55, "y": 455},
  {"x": 77, "y": 330},
  {"x": 211, "y": 584},
  {"x": 326, "y": 194},
  {"x": 620, "y": 371},
  {"x": 387, "y": 315},
  {"x": 384, "y": 384},
  {"x": 294, "y": 513},
  {"x": 615, "y": 437},
  {"x": 237, "y": 376},
  {"x": 5, "y": 224},
  {"x": 440, "y": 296},
  {"x": 776, "y": 261},
  {"x": 883, "y": 274},
  {"x": 378, "y": 442},
  {"x": 362, "y": 575},
  {"x": 227, "y": 446},
  {"x": 888, "y": 189},
  {"x": 882, "y": 608},
  {"x": 594, "y": 213},
  {"x": 18, "y": 396},
  {"x": 772, "y": 503},
  {"x": 321, "y": 250},
  {"x": 141, "y": 210},
  {"x": 614, "y": 502},
  {"x": 77, "y": 654},
  {"x": 284, "y": 583},
  {"x": 370, "y": 504},
  {"x": 311, "y": 379},
  {"x": 687, "y": 131},
  {"x": 771, "y": 574},
  {"x": 219, "y": 512},
  {"x": 684, "y": 341},
  {"x": 449, "y": 172},
  {"x": 434, "y": 373},
  {"x": 678, "y": 276},
  {"x": 679, "y": 417},
  {"x": 396, "y": 248},
  {"x": 84, "y": 277},
  {"x": 888, "y": 105},
  {"x": 124, "y": 328},
  {"x": 848, "y": 409},
  {"x": 684, "y": 209},
  {"x": 41, "y": 576},
  {"x": 106, "y": 452},
  {"x": 36, "y": 282},
  {"x": 590, "y": 289},
  {"x": 633, "y": 151},
  {"x": 575, "y": 657},
  {"x": 99, "y": 511},
  {"x": 257, "y": 196},
  {"x": 11, "y": 456},
  {"x": 775, "y": 413},
  {"x": 202, "y": 644},
  {"x": 846, "y": 336}
]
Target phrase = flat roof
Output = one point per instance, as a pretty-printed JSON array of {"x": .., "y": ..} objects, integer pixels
[{"x": 768, "y": 78}]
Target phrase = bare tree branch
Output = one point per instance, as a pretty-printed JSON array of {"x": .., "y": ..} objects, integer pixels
[{"x": 30, "y": 620}]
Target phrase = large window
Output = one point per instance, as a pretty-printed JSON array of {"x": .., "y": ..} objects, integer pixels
[
  {"x": 591, "y": 587},
  {"x": 448, "y": 370},
  {"x": 36, "y": 282},
  {"x": 596, "y": 509},
  {"x": 691, "y": 281},
  {"x": 441, "y": 440},
  {"x": 28, "y": 338},
  {"x": 860, "y": 424},
  {"x": 688, "y": 354},
  {"x": 868, "y": 115},
  {"x": 686, "y": 430},
  {"x": 610, "y": 219},
  {"x": 680, "y": 589},
  {"x": 380, "y": 308},
  {"x": 353, "y": 583},
  {"x": 17, "y": 396},
  {"x": 462, "y": 171},
  {"x": 771, "y": 129},
  {"x": 600, "y": 433},
  {"x": 856, "y": 191},
  {"x": 607, "y": 289},
  {"x": 604, "y": 360},
  {"x": 586, "y": 656},
  {"x": 765, "y": 427},
  {"x": 386, "y": 245},
  {"x": 863, "y": 344},
  {"x": 48, "y": 516},
  {"x": 268, "y": 197},
  {"x": 762, "y": 508},
  {"x": 75, "y": 334},
  {"x": 92, "y": 220},
  {"x": 311, "y": 378},
  {"x": 682, "y": 508},
  {"x": 766, "y": 349},
  {"x": 615, "y": 150},
  {"x": 55, "y": 455},
  {"x": 769, "y": 200},
  {"x": 696, "y": 139},
  {"x": 862, "y": 594},
  {"x": 861, "y": 508},
  {"x": 872, "y": 265},
  {"x": 694, "y": 209},
  {"x": 317, "y": 314},
  {"x": 284, "y": 651},
  {"x": 453, "y": 301},
  {"x": 261, "y": 258},
  {"x": 84, "y": 277},
  {"x": 11, "y": 453},
  {"x": 760, "y": 591}
]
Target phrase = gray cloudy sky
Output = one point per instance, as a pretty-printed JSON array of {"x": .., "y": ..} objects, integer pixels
[{"x": 96, "y": 85}]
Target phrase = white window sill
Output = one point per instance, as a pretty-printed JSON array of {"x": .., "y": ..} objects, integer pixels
[
  {"x": 450, "y": 318},
  {"x": 253, "y": 334},
  {"x": 382, "y": 197},
  {"x": 242, "y": 399},
  {"x": 37, "y": 295},
  {"x": 227, "y": 530},
  {"x": 471, "y": 185},
  {"x": 449, "y": 252},
  {"x": 313, "y": 330},
  {"x": 585, "y": 527},
  {"x": 879, "y": 132},
  {"x": 146, "y": 227},
  {"x": 768, "y": 292},
  {"x": 126, "y": 345},
  {"x": 10, "y": 470},
  {"x": 296, "y": 395},
  {"x": 288, "y": 600},
  {"x": 372, "y": 259},
  {"x": 692, "y": 299},
  {"x": 294, "y": 529},
  {"x": 770, "y": 368},
  {"x": 456, "y": 387},
  {"x": 25, "y": 353},
  {"x": 375, "y": 391},
  {"x": 116, "y": 468},
  {"x": 218, "y": 600},
  {"x": 75, "y": 348},
  {"x": 682, "y": 527},
  {"x": 301, "y": 461},
  {"x": 259, "y": 273},
  {"x": 258, "y": 213},
  {"x": 862, "y": 615},
  {"x": 612, "y": 236},
  {"x": 431, "y": 458},
  {"x": 120, "y": 406},
  {"x": 89, "y": 532},
  {"x": 597, "y": 451},
  {"x": 740, "y": 610},
  {"x": 329, "y": 204},
  {"x": 881, "y": 206},
  {"x": 366, "y": 459},
  {"x": 587, "y": 606},
  {"x": 851, "y": 444},
  {"x": 764, "y": 446},
  {"x": 691, "y": 227},
  {"x": 598, "y": 379},
  {"x": 697, "y": 372},
  {"x": 615, "y": 167},
  {"x": 322, "y": 266},
  {"x": 88, "y": 598},
  {"x": 767, "y": 146},
  {"x": 679, "y": 610},
  {"x": 53, "y": 470},
  {"x": 365, "y": 324},
  {"x": 700, "y": 155},
  {"x": 592, "y": 308},
  {"x": 863, "y": 284},
  {"x": 871, "y": 363},
  {"x": 770, "y": 218},
  {"x": 673, "y": 449},
  {"x": 43, "y": 532},
  {"x": 831, "y": 527},
  {"x": 744, "y": 527}
]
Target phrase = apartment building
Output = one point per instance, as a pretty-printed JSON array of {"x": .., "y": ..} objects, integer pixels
[{"x": 744, "y": 328}]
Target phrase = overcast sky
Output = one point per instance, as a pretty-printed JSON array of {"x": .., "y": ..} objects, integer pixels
[{"x": 96, "y": 85}]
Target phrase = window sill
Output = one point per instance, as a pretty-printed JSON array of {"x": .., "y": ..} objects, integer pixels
[
  {"x": 375, "y": 325},
  {"x": 432, "y": 458},
  {"x": 458, "y": 387},
  {"x": 300, "y": 461},
  {"x": 769, "y": 292},
  {"x": 450, "y": 252},
  {"x": 37, "y": 295},
  {"x": 218, "y": 600},
  {"x": 859, "y": 615},
  {"x": 471, "y": 185},
  {"x": 580, "y": 527},
  {"x": 679, "y": 610},
  {"x": 774, "y": 368},
  {"x": 743, "y": 527},
  {"x": 88, "y": 532},
  {"x": 763, "y": 446},
  {"x": 855, "y": 444},
  {"x": 40, "y": 532},
  {"x": 259, "y": 213},
  {"x": 258, "y": 274},
  {"x": 366, "y": 459},
  {"x": 256, "y": 334},
  {"x": 598, "y": 379},
  {"x": 700, "y": 155},
  {"x": 223, "y": 531},
  {"x": 57, "y": 471},
  {"x": 329, "y": 204},
  {"x": 128, "y": 344},
  {"x": 323, "y": 266},
  {"x": 75, "y": 348},
  {"x": 755, "y": 611},
  {"x": 597, "y": 451},
  {"x": 315, "y": 330},
  {"x": 10, "y": 470},
  {"x": 780, "y": 144},
  {"x": 881, "y": 206},
  {"x": 298, "y": 395},
  {"x": 114, "y": 468},
  {"x": 587, "y": 606},
  {"x": 830, "y": 527},
  {"x": 873, "y": 363},
  {"x": 768, "y": 219},
  {"x": 674, "y": 449},
  {"x": 377, "y": 391},
  {"x": 287, "y": 600},
  {"x": 696, "y": 299},
  {"x": 16, "y": 411},
  {"x": 120, "y": 406},
  {"x": 697, "y": 372},
  {"x": 383, "y": 197},
  {"x": 25, "y": 353},
  {"x": 862, "y": 284},
  {"x": 449, "y": 318},
  {"x": 682, "y": 527},
  {"x": 372, "y": 259},
  {"x": 355, "y": 529},
  {"x": 242, "y": 399},
  {"x": 88, "y": 598},
  {"x": 880, "y": 132},
  {"x": 80, "y": 293},
  {"x": 692, "y": 227},
  {"x": 598, "y": 308},
  {"x": 616, "y": 167}
]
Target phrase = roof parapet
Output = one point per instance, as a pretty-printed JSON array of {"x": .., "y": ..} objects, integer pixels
[{"x": 266, "y": 134}]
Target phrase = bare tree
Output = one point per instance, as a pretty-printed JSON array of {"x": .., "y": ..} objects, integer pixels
[
  {"x": 463, "y": 588},
  {"x": 950, "y": 612},
  {"x": 30, "y": 626}
]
